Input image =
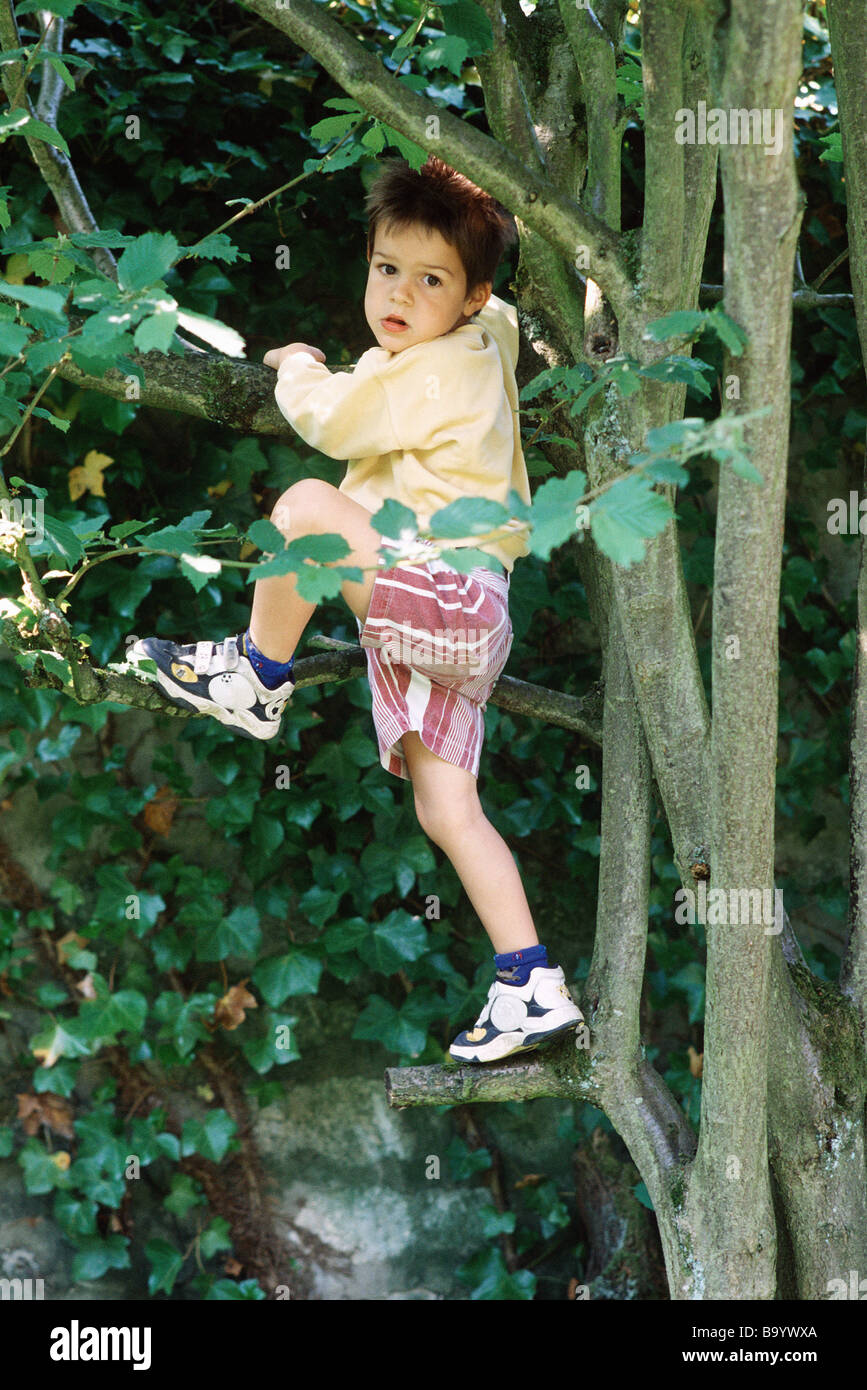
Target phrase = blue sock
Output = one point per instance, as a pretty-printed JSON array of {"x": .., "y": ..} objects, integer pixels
[
  {"x": 518, "y": 964},
  {"x": 271, "y": 673}
]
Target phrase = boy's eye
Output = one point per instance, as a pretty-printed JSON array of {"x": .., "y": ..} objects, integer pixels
[{"x": 430, "y": 276}]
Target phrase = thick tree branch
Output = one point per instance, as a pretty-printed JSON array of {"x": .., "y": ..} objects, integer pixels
[
  {"x": 560, "y": 220},
  {"x": 343, "y": 661},
  {"x": 662, "y": 33},
  {"x": 732, "y": 1224},
  {"x": 847, "y": 20}
]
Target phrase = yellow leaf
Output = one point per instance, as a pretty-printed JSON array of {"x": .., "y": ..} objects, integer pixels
[
  {"x": 87, "y": 477},
  {"x": 17, "y": 269},
  {"x": 61, "y": 1159},
  {"x": 220, "y": 489},
  {"x": 247, "y": 549}
]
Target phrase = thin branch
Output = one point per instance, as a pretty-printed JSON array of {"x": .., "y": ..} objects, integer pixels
[{"x": 802, "y": 300}]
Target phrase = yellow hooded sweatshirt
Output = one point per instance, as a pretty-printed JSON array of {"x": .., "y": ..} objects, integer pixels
[{"x": 424, "y": 426}]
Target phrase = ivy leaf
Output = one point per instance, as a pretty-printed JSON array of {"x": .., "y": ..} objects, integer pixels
[
  {"x": 215, "y": 1237},
  {"x": 210, "y": 1138},
  {"x": 382, "y": 1023},
  {"x": 166, "y": 1264},
  {"x": 394, "y": 941},
  {"x": 97, "y": 1255},
  {"x": 279, "y": 977},
  {"x": 184, "y": 1194}
]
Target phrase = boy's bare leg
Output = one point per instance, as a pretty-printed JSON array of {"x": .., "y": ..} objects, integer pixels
[
  {"x": 279, "y": 614},
  {"x": 450, "y": 813}
]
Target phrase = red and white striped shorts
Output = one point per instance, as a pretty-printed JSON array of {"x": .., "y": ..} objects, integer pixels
[{"x": 436, "y": 642}]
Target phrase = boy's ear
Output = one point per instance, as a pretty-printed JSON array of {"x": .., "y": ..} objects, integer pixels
[{"x": 478, "y": 298}]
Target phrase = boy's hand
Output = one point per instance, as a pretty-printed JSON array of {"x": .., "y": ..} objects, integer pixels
[{"x": 275, "y": 356}]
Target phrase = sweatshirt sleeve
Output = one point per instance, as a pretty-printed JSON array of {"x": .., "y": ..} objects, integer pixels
[{"x": 345, "y": 415}]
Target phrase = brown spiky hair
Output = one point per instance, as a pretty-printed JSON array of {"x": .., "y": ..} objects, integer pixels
[{"x": 440, "y": 199}]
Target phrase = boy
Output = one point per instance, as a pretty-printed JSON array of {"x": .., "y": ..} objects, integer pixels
[{"x": 428, "y": 416}]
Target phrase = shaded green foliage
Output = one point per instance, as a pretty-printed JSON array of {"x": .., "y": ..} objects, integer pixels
[{"x": 322, "y": 889}]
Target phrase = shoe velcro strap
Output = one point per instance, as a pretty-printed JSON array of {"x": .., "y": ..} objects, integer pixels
[
  {"x": 230, "y": 652},
  {"x": 204, "y": 651}
]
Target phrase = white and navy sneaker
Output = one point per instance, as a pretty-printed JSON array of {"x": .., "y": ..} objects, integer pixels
[
  {"x": 216, "y": 678},
  {"x": 517, "y": 1018}
]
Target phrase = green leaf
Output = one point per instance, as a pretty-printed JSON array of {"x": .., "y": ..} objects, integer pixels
[
  {"x": 59, "y": 541},
  {"x": 60, "y": 1042},
  {"x": 211, "y": 1139},
  {"x": 468, "y": 516},
  {"x": 24, "y": 124},
  {"x": 155, "y": 333},
  {"x": 382, "y": 1023},
  {"x": 643, "y": 1196},
  {"x": 464, "y": 1162},
  {"x": 398, "y": 938},
  {"x": 185, "y": 1193},
  {"x": 12, "y": 339},
  {"x": 96, "y": 1255},
  {"x": 41, "y": 1174},
  {"x": 728, "y": 330},
  {"x": 466, "y": 20},
  {"x": 627, "y": 515},
  {"x": 147, "y": 260},
  {"x": 238, "y": 934},
  {"x": 199, "y": 569},
  {"x": 333, "y": 127},
  {"x": 166, "y": 1264},
  {"x": 554, "y": 514},
  {"x": 265, "y": 535},
  {"x": 684, "y": 323},
  {"x": 215, "y": 1237},
  {"x": 393, "y": 518},
  {"x": 446, "y": 51},
  {"x": 412, "y": 153},
  {"x": 248, "y": 1289},
  {"x": 298, "y": 972},
  {"x": 316, "y": 585}
]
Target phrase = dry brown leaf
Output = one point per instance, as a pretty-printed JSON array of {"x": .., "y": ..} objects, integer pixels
[
  {"x": 45, "y": 1109},
  {"x": 232, "y": 1268},
  {"x": 160, "y": 811},
  {"x": 696, "y": 1061},
  {"x": 530, "y": 1180},
  {"x": 87, "y": 476},
  {"x": 230, "y": 1011}
]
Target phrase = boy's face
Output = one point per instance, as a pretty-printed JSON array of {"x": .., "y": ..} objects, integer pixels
[{"x": 416, "y": 288}]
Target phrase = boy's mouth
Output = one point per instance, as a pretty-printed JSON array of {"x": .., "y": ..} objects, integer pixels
[{"x": 393, "y": 324}]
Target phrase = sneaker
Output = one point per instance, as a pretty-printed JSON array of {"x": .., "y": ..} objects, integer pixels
[
  {"x": 216, "y": 678},
  {"x": 517, "y": 1018}
]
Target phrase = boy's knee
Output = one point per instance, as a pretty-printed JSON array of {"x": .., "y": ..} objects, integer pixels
[
  {"x": 302, "y": 501},
  {"x": 447, "y": 821}
]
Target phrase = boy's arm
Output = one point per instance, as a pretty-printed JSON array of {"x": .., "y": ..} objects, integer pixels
[{"x": 343, "y": 414}]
